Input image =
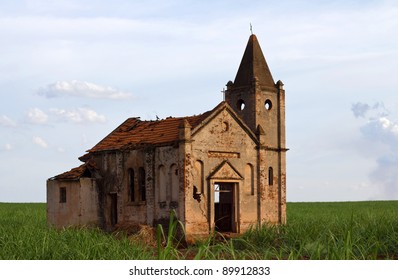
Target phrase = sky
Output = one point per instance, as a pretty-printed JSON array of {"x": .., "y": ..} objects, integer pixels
[{"x": 71, "y": 71}]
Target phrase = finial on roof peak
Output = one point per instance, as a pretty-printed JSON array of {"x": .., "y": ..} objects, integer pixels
[{"x": 251, "y": 28}]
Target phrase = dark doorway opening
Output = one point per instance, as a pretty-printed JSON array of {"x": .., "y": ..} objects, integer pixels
[
  {"x": 224, "y": 207},
  {"x": 113, "y": 209}
]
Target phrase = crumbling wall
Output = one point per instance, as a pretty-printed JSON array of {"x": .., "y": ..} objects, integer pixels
[
  {"x": 88, "y": 202},
  {"x": 167, "y": 188},
  {"x": 80, "y": 206},
  {"x": 114, "y": 170},
  {"x": 162, "y": 173}
]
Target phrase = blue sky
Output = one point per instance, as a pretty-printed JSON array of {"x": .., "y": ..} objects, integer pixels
[{"x": 71, "y": 71}]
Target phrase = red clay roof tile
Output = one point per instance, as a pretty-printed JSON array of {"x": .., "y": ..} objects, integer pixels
[
  {"x": 83, "y": 170},
  {"x": 134, "y": 132}
]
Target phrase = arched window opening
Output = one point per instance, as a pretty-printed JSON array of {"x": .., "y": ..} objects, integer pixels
[
  {"x": 131, "y": 185},
  {"x": 270, "y": 176},
  {"x": 141, "y": 182},
  {"x": 268, "y": 104},
  {"x": 241, "y": 104}
]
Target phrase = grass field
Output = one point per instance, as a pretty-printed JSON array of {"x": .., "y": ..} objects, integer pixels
[{"x": 338, "y": 230}]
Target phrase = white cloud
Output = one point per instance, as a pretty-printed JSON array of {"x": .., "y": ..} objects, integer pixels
[
  {"x": 8, "y": 147},
  {"x": 380, "y": 136},
  {"x": 40, "y": 142},
  {"x": 82, "y": 89},
  {"x": 37, "y": 116},
  {"x": 381, "y": 130},
  {"x": 6, "y": 121},
  {"x": 388, "y": 125},
  {"x": 79, "y": 115},
  {"x": 385, "y": 175},
  {"x": 65, "y": 115},
  {"x": 91, "y": 115},
  {"x": 359, "y": 109}
]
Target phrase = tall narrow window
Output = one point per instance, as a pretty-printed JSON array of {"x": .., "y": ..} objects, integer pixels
[
  {"x": 62, "y": 195},
  {"x": 141, "y": 182},
  {"x": 270, "y": 176},
  {"x": 131, "y": 185}
]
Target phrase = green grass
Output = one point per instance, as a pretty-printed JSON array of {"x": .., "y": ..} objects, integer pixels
[
  {"x": 24, "y": 235},
  {"x": 338, "y": 230}
]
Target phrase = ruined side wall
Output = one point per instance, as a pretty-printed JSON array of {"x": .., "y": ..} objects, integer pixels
[
  {"x": 221, "y": 139},
  {"x": 167, "y": 184},
  {"x": 80, "y": 207},
  {"x": 115, "y": 180},
  {"x": 62, "y": 214},
  {"x": 108, "y": 184},
  {"x": 162, "y": 173},
  {"x": 88, "y": 202}
]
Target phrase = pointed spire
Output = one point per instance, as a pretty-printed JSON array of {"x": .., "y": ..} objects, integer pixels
[{"x": 253, "y": 65}]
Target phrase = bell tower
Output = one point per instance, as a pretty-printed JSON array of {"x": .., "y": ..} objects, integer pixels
[{"x": 260, "y": 103}]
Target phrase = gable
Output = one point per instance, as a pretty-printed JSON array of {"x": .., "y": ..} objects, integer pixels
[
  {"x": 223, "y": 133},
  {"x": 225, "y": 171},
  {"x": 224, "y": 111}
]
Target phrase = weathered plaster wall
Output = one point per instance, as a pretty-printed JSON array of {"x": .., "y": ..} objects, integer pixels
[
  {"x": 88, "y": 202},
  {"x": 167, "y": 189},
  {"x": 81, "y": 206},
  {"x": 162, "y": 176},
  {"x": 114, "y": 168}
]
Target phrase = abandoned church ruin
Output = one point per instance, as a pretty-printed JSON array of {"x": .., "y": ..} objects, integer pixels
[{"x": 223, "y": 170}]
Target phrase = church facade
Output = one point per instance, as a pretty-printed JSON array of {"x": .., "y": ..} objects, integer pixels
[{"x": 223, "y": 170}]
